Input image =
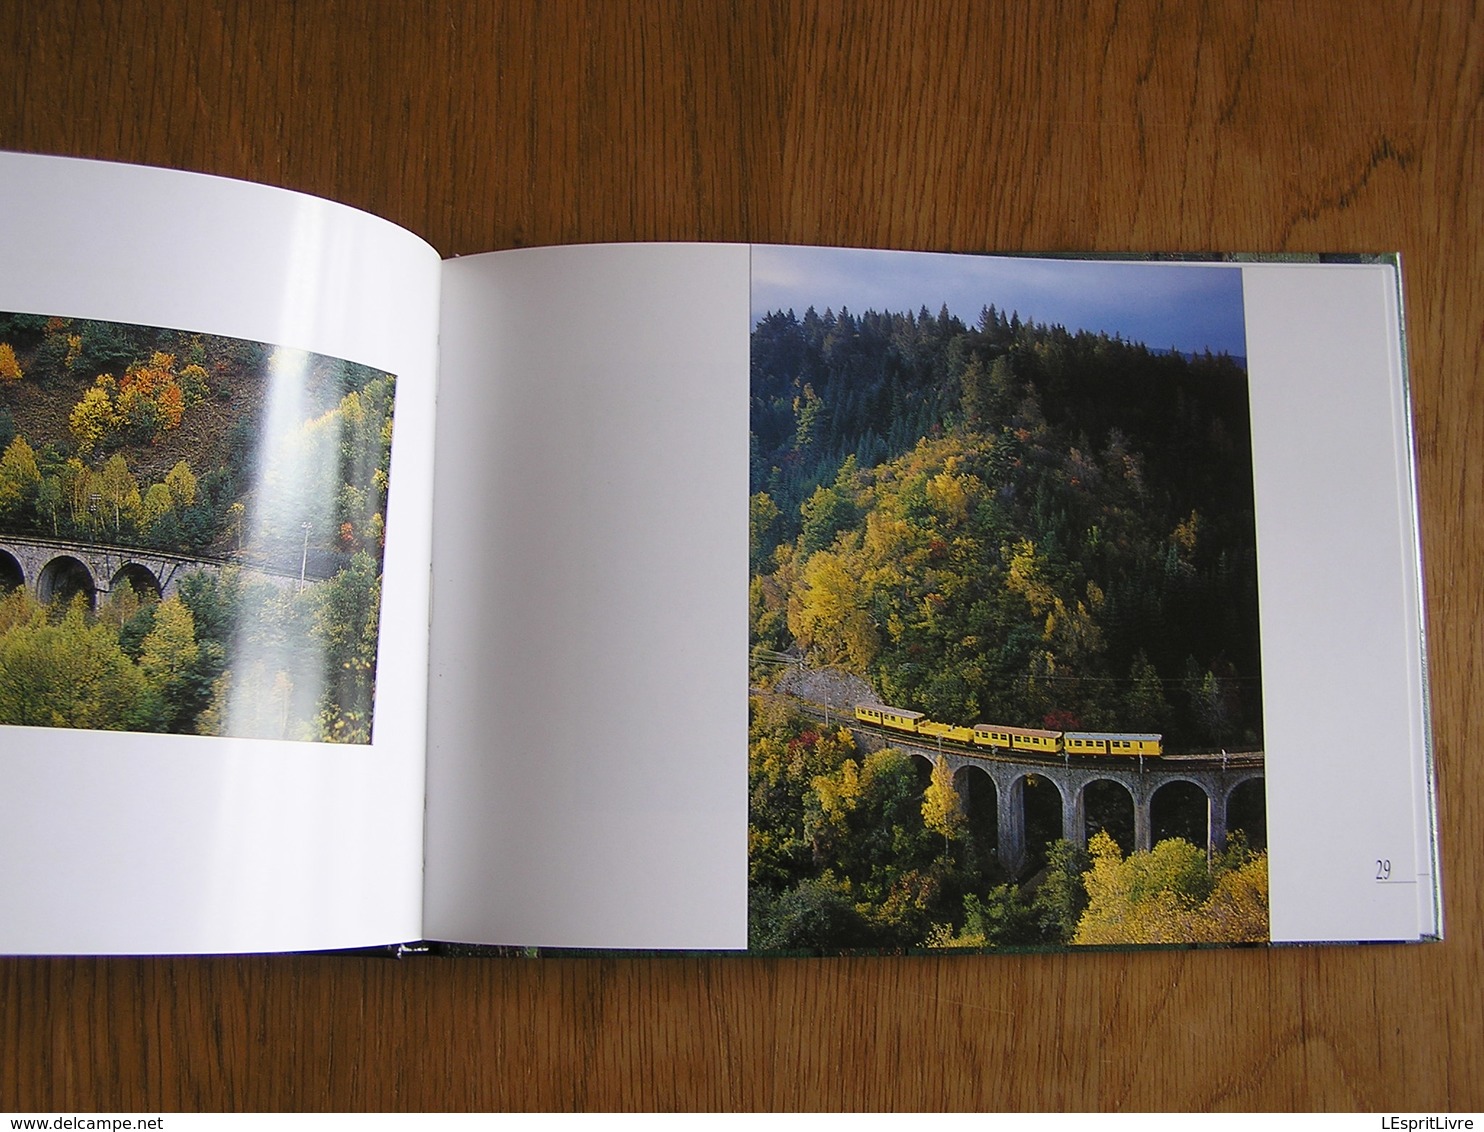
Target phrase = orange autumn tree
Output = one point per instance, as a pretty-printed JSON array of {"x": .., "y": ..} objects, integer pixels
[
  {"x": 149, "y": 396},
  {"x": 146, "y": 401}
]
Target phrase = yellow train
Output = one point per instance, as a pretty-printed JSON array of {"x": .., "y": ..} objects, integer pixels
[{"x": 1029, "y": 739}]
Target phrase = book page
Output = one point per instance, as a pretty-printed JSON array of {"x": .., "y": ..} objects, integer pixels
[
  {"x": 1349, "y": 773},
  {"x": 587, "y": 786},
  {"x": 216, "y": 409},
  {"x": 1104, "y": 570}
]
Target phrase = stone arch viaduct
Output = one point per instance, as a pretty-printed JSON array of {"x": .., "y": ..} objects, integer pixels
[
  {"x": 57, "y": 568},
  {"x": 1071, "y": 781},
  {"x": 1215, "y": 776}
]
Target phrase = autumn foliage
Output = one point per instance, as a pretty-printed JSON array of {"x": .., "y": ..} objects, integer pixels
[
  {"x": 149, "y": 395},
  {"x": 1171, "y": 894},
  {"x": 145, "y": 402},
  {"x": 10, "y": 369},
  {"x": 137, "y": 436},
  {"x": 1005, "y": 523}
]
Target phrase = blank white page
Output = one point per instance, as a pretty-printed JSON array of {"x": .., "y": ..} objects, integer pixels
[{"x": 588, "y": 715}]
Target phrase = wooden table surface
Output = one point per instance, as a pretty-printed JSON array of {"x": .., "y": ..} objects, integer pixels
[{"x": 1257, "y": 126}]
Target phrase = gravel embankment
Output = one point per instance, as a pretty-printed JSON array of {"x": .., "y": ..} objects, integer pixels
[{"x": 839, "y": 689}]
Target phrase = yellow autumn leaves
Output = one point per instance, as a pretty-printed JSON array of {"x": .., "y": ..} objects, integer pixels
[{"x": 1171, "y": 894}]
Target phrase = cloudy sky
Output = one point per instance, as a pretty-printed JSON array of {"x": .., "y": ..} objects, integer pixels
[{"x": 1191, "y": 307}]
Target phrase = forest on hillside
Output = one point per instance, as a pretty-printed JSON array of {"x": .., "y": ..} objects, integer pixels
[
  {"x": 270, "y": 463},
  {"x": 1011, "y": 523}
]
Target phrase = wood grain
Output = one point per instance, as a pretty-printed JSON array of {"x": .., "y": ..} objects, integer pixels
[{"x": 1036, "y": 126}]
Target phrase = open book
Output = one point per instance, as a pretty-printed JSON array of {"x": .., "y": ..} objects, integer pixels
[{"x": 691, "y": 596}]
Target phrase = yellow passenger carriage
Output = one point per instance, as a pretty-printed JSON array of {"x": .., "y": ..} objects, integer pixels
[
  {"x": 992, "y": 735},
  {"x": 1035, "y": 740},
  {"x": 945, "y": 731},
  {"x": 883, "y": 716},
  {"x": 1112, "y": 743}
]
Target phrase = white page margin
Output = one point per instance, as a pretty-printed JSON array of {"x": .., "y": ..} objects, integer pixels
[{"x": 1343, "y": 710}]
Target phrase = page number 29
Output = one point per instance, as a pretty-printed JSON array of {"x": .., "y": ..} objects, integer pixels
[{"x": 1383, "y": 868}]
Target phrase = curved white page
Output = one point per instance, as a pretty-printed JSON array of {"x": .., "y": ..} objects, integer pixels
[{"x": 138, "y": 843}]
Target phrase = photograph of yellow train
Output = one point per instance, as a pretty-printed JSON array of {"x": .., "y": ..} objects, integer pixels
[
  {"x": 1012, "y": 738},
  {"x": 1004, "y": 680}
]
